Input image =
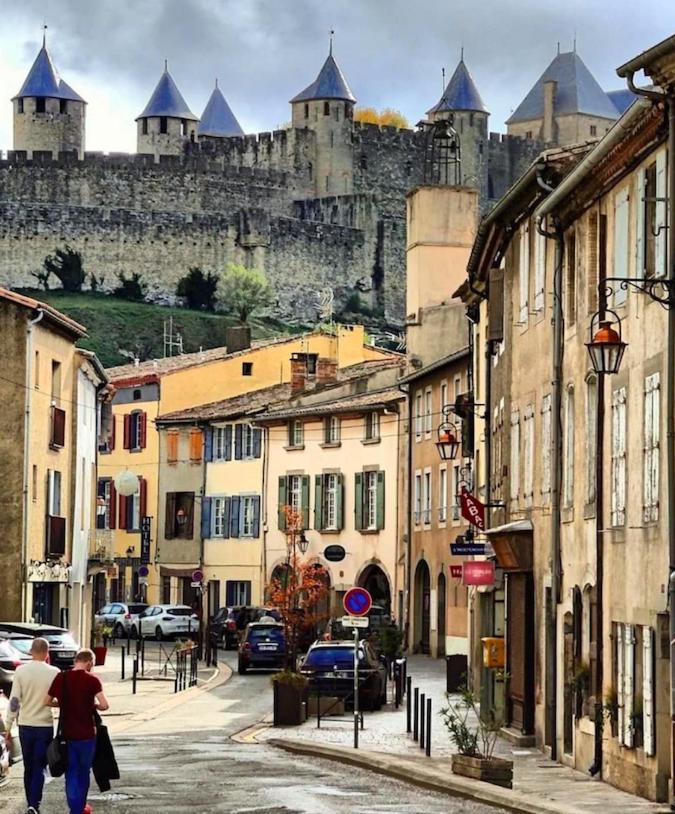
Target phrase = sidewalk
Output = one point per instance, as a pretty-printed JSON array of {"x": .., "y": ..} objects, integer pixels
[{"x": 540, "y": 785}]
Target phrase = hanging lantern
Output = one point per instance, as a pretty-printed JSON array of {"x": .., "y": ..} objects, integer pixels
[
  {"x": 606, "y": 347},
  {"x": 448, "y": 443},
  {"x": 126, "y": 483},
  {"x": 303, "y": 542},
  {"x": 181, "y": 517}
]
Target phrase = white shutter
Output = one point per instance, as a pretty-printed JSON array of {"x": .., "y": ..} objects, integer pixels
[
  {"x": 569, "y": 449},
  {"x": 648, "y": 733},
  {"x": 50, "y": 491},
  {"x": 620, "y": 242},
  {"x": 650, "y": 510},
  {"x": 618, "y": 496},
  {"x": 661, "y": 207},
  {"x": 524, "y": 281},
  {"x": 656, "y": 444},
  {"x": 539, "y": 271},
  {"x": 620, "y": 680},
  {"x": 629, "y": 680},
  {"x": 515, "y": 455},
  {"x": 640, "y": 224}
]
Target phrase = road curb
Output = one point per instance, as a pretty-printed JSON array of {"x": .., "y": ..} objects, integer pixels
[{"x": 407, "y": 770}]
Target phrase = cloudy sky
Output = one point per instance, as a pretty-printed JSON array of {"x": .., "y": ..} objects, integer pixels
[{"x": 265, "y": 51}]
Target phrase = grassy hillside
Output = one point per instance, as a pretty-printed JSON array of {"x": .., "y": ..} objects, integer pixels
[{"x": 114, "y": 325}]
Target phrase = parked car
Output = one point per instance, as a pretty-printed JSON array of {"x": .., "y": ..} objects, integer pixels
[
  {"x": 229, "y": 623},
  {"x": 10, "y": 659},
  {"x": 62, "y": 644},
  {"x": 262, "y": 645},
  {"x": 378, "y": 617},
  {"x": 166, "y": 621},
  {"x": 121, "y": 616},
  {"x": 329, "y": 668}
]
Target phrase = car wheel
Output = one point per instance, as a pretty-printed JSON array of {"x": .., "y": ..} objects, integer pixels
[
  {"x": 241, "y": 668},
  {"x": 158, "y": 633},
  {"x": 119, "y": 631}
]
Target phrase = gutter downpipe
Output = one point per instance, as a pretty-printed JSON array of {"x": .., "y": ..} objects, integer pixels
[
  {"x": 405, "y": 388},
  {"x": 26, "y": 460}
]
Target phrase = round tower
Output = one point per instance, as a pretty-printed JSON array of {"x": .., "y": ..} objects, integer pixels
[
  {"x": 167, "y": 123},
  {"x": 327, "y": 108},
  {"x": 49, "y": 116},
  {"x": 218, "y": 120}
]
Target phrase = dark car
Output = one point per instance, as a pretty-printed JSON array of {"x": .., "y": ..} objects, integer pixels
[
  {"x": 62, "y": 645},
  {"x": 329, "y": 668},
  {"x": 228, "y": 623},
  {"x": 262, "y": 645}
]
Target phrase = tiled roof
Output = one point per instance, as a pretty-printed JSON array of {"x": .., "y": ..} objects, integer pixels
[
  {"x": 43, "y": 80},
  {"x": 50, "y": 313},
  {"x": 329, "y": 84},
  {"x": 346, "y": 404},
  {"x": 167, "y": 100},
  {"x": 622, "y": 99},
  {"x": 461, "y": 93},
  {"x": 218, "y": 118},
  {"x": 241, "y": 405},
  {"x": 462, "y": 353},
  {"x": 576, "y": 92}
]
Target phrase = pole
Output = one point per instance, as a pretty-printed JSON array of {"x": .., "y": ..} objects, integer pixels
[
  {"x": 416, "y": 730},
  {"x": 134, "y": 674},
  {"x": 356, "y": 688},
  {"x": 670, "y": 426},
  {"x": 122, "y": 675},
  {"x": 422, "y": 715},
  {"x": 428, "y": 749},
  {"x": 408, "y": 710}
]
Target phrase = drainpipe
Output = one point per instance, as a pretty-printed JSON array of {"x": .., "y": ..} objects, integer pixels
[
  {"x": 26, "y": 460},
  {"x": 404, "y": 388}
]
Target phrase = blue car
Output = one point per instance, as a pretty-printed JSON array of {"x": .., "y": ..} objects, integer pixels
[{"x": 262, "y": 645}]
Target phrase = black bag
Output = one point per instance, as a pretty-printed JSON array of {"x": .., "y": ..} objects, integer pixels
[{"x": 57, "y": 751}]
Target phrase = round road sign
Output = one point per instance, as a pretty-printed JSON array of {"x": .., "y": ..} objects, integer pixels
[
  {"x": 357, "y": 602},
  {"x": 334, "y": 553},
  {"x": 197, "y": 576},
  {"x": 143, "y": 571}
]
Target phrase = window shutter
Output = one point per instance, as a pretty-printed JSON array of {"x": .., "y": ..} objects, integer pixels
[
  {"x": 238, "y": 429},
  {"x": 640, "y": 205},
  {"x": 190, "y": 519},
  {"x": 206, "y": 517},
  {"x": 281, "y": 505},
  {"x": 256, "y": 516},
  {"x": 208, "y": 444},
  {"x": 172, "y": 446},
  {"x": 546, "y": 447},
  {"x": 142, "y": 430},
  {"x": 228, "y": 442},
  {"x": 195, "y": 445},
  {"x": 170, "y": 516},
  {"x": 113, "y": 426},
  {"x": 629, "y": 680},
  {"x": 496, "y": 306},
  {"x": 122, "y": 513},
  {"x": 648, "y": 728},
  {"x": 257, "y": 442},
  {"x": 112, "y": 511},
  {"x": 229, "y": 592},
  {"x": 305, "y": 501},
  {"x": 592, "y": 257},
  {"x": 620, "y": 681},
  {"x": 524, "y": 276},
  {"x": 620, "y": 242},
  {"x": 380, "y": 500},
  {"x": 340, "y": 502},
  {"x": 143, "y": 496},
  {"x": 235, "y": 505},
  {"x": 318, "y": 502},
  {"x": 226, "y": 517},
  {"x": 130, "y": 512},
  {"x": 358, "y": 501},
  {"x": 539, "y": 271},
  {"x": 660, "y": 252},
  {"x": 127, "y": 432},
  {"x": 515, "y": 455}
]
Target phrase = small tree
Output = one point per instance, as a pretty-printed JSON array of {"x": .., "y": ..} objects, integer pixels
[
  {"x": 131, "y": 288},
  {"x": 42, "y": 277},
  {"x": 198, "y": 289},
  {"x": 243, "y": 291},
  {"x": 388, "y": 116},
  {"x": 66, "y": 265}
]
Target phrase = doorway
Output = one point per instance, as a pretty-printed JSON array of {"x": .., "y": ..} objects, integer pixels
[
  {"x": 422, "y": 608},
  {"x": 375, "y": 581},
  {"x": 441, "y": 616},
  {"x": 520, "y": 651}
]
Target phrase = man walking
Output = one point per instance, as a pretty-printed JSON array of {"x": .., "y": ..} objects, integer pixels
[
  {"x": 36, "y": 724},
  {"x": 79, "y": 694}
]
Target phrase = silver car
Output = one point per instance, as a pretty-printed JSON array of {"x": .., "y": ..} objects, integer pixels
[
  {"x": 121, "y": 616},
  {"x": 168, "y": 621}
]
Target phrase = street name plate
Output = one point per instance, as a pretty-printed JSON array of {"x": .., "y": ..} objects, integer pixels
[
  {"x": 354, "y": 621},
  {"x": 464, "y": 549}
]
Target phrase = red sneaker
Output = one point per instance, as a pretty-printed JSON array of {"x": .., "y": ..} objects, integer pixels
[{"x": 87, "y": 809}]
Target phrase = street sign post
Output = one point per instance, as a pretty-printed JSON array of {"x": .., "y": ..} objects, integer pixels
[
  {"x": 355, "y": 621},
  {"x": 356, "y": 687},
  {"x": 357, "y": 602}
]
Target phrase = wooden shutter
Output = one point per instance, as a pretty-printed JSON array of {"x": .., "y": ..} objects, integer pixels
[
  {"x": 528, "y": 421},
  {"x": 629, "y": 683},
  {"x": 207, "y": 503},
  {"x": 228, "y": 442},
  {"x": 226, "y": 516},
  {"x": 172, "y": 446},
  {"x": 514, "y": 474},
  {"x": 256, "y": 516},
  {"x": 651, "y": 449},
  {"x": 640, "y": 253},
  {"x": 142, "y": 430},
  {"x": 648, "y": 718},
  {"x": 112, "y": 507},
  {"x": 340, "y": 502},
  {"x": 195, "y": 445},
  {"x": 122, "y": 513},
  {"x": 660, "y": 252},
  {"x": 238, "y": 430},
  {"x": 305, "y": 501},
  {"x": 235, "y": 508},
  {"x": 113, "y": 425},
  {"x": 380, "y": 500},
  {"x": 281, "y": 503},
  {"x": 130, "y": 512},
  {"x": 170, "y": 516},
  {"x": 127, "y": 431},
  {"x": 546, "y": 447},
  {"x": 524, "y": 275},
  {"x": 318, "y": 502},
  {"x": 539, "y": 271},
  {"x": 592, "y": 261},
  {"x": 190, "y": 518},
  {"x": 257, "y": 442},
  {"x": 358, "y": 501},
  {"x": 143, "y": 497},
  {"x": 208, "y": 444},
  {"x": 620, "y": 242},
  {"x": 496, "y": 306}
]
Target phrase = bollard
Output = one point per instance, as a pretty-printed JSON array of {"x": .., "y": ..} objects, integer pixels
[
  {"x": 128, "y": 642},
  {"x": 408, "y": 710},
  {"x": 422, "y": 716},
  {"x": 142, "y": 657},
  {"x": 397, "y": 685},
  {"x": 416, "y": 702},
  {"x": 123, "y": 655},
  {"x": 428, "y": 749},
  {"x": 134, "y": 675}
]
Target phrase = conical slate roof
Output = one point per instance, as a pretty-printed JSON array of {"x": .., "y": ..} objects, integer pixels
[
  {"x": 218, "y": 118},
  {"x": 43, "y": 80},
  {"x": 461, "y": 93},
  {"x": 166, "y": 100},
  {"x": 576, "y": 92},
  {"x": 329, "y": 84},
  {"x": 621, "y": 99}
]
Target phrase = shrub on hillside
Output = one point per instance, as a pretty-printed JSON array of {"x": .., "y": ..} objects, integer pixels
[
  {"x": 66, "y": 265},
  {"x": 198, "y": 289},
  {"x": 243, "y": 291},
  {"x": 131, "y": 288}
]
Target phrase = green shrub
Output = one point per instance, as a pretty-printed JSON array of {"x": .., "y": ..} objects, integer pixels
[{"x": 198, "y": 289}]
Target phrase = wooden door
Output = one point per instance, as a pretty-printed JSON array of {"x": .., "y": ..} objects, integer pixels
[{"x": 520, "y": 652}]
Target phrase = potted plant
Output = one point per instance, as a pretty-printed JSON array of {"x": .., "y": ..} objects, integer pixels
[
  {"x": 475, "y": 737},
  {"x": 289, "y": 696},
  {"x": 610, "y": 709},
  {"x": 100, "y": 635}
]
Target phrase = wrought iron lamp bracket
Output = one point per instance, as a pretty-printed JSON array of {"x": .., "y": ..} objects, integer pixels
[{"x": 658, "y": 289}]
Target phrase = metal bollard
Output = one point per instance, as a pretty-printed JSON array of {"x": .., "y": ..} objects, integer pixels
[
  {"x": 408, "y": 710},
  {"x": 134, "y": 675},
  {"x": 422, "y": 716},
  {"x": 128, "y": 642},
  {"x": 123, "y": 659},
  {"x": 416, "y": 703},
  {"x": 142, "y": 657},
  {"x": 428, "y": 749}
]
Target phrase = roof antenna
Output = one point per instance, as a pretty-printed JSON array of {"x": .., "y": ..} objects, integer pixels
[
  {"x": 44, "y": 34},
  {"x": 575, "y": 41},
  {"x": 558, "y": 47},
  {"x": 216, "y": 81},
  {"x": 330, "y": 46},
  {"x": 461, "y": 58},
  {"x": 443, "y": 80},
  {"x": 166, "y": 66}
]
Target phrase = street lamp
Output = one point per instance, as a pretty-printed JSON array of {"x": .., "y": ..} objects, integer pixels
[
  {"x": 303, "y": 542},
  {"x": 606, "y": 347},
  {"x": 448, "y": 443}
]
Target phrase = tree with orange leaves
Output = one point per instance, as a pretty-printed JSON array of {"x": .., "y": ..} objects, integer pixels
[{"x": 388, "y": 116}]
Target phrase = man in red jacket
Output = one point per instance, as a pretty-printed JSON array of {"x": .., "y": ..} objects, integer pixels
[{"x": 79, "y": 694}]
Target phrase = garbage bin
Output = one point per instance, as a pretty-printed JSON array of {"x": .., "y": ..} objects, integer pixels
[{"x": 455, "y": 672}]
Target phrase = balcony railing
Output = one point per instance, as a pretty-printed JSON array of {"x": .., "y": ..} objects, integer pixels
[
  {"x": 57, "y": 435},
  {"x": 56, "y": 536}
]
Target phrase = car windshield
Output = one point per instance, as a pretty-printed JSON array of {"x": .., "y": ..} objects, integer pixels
[
  {"x": 328, "y": 657},
  {"x": 7, "y": 651},
  {"x": 60, "y": 639},
  {"x": 180, "y": 611},
  {"x": 22, "y": 645},
  {"x": 263, "y": 632},
  {"x": 137, "y": 608}
]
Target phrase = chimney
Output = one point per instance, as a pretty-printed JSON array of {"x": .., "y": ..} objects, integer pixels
[
  {"x": 548, "y": 133},
  {"x": 298, "y": 372},
  {"x": 326, "y": 371},
  {"x": 237, "y": 338}
]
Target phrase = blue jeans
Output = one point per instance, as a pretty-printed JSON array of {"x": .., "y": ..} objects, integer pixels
[
  {"x": 80, "y": 758},
  {"x": 34, "y": 742}
]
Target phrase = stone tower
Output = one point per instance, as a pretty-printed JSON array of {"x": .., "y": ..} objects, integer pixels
[
  {"x": 218, "y": 120},
  {"x": 167, "y": 123},
  {"x": 327, "y": 107},
  {"x": 48, "y": 114},
  {"x": 462, "y": 102}
]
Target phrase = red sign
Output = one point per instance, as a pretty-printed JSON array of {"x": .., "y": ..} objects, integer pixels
[
  {"x": 456, "y": 571},
  {"x": 478, "y": 573},
  {"x": 473, "y": 511},
  {"x": 357, "y": 602}
]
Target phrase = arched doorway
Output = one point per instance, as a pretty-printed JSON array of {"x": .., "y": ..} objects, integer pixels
[
  {"x": 441, "y": 616},
  {"x": 422, "y": 607},
  {"x": 375, "y": 581}
]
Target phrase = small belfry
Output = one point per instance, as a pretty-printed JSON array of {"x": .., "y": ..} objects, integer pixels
[{"x": 49, "y": 116}]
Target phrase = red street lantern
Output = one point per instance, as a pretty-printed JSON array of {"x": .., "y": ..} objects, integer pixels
[
  {"x": 447, "y": 444},
  {"x": 606, "y": 347},
  {"x": 181, "y": 517}
]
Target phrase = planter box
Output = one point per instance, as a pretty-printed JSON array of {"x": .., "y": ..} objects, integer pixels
[
  {"x": 289, "y": 708},
  {"x": 100, "y": 653},
  {"x": 496, "y": 771}
]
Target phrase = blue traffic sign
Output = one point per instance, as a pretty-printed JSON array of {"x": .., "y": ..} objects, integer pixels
[
  {"x": 143, "y": 571},
  {"x": 468, "y": 548},
  {"x": 357, "y": 602}
]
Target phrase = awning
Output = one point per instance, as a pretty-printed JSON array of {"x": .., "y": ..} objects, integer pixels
[
  {"x": 513, "y": 544},
  {"x": 177, "y": 570}
]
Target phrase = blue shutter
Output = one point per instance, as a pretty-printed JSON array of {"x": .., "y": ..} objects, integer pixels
[
  {"x": 206, "y": 517},
  {"x": 257, "y": 442},
  {"x": 256, "y": 516},
  {"x": 247, "y": 592},
  {"x": 238, "y": 429},
  {"x": 208, "y": 444},
  {"x": 228, "y": 442},
  {"x": 229, "y": 592},
  {"x": 234, "y": 516},
  {"x": 226, "y": 517}
]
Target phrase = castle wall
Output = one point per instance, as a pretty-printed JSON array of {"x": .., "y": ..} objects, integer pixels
[
  {"x": 508, "y": 158},
  {"x": 51, "y": 131}
]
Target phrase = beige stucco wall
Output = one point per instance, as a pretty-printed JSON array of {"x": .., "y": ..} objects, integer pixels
[{"x": 569, "y": 129}]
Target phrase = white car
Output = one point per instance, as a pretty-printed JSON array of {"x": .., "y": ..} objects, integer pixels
[
  {"x": 120, "y": 616},
  {"x": 166, "y": 621}
]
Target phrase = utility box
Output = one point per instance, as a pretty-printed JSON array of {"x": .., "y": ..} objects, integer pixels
[{"x": 494, "y": 653}]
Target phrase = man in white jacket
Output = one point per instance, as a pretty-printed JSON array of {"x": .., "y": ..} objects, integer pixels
[{"x": 36, "y": 722}]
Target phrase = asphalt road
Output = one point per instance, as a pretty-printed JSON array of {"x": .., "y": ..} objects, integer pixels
[{"x": 188, "y": 763}]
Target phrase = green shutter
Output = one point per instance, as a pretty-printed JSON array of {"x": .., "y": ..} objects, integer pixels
[
  {"x": 339, "y": 502},
  {"x": 282, "y": 503},
  {"x": 318, "y": 502},
  {"x": 305, "y": 501},
  {"x": 358, "y": 501},
  {"x": 380, "y": 500}
]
